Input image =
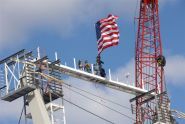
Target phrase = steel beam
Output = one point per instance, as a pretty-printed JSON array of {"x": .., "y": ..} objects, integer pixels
[
  {"x": 13, "y": 55},
  {"x": 101, "y": 80}
]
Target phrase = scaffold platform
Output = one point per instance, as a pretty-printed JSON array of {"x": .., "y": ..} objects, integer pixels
[{"x": 18, "y": 93}]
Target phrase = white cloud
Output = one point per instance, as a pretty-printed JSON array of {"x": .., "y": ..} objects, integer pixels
[
  {"x": 126, "y": 73},
  {"x": 175, "y": 69},
  {"x": 20, "y": 18}
]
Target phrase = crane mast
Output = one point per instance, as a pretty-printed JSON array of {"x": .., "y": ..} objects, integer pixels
[{"x": 149, "y": 74}]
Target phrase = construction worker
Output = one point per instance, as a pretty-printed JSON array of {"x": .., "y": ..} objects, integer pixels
[
  {"x": 102, "y": 72},
  {"x": 87, "y": 66},
  {"x": 161, "y": 60},
  {"x": 99, "y": 70},
  {"x": 80, "y": 65}
]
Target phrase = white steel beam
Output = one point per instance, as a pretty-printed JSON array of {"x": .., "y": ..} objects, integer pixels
[{"x": 101, "y": 80}]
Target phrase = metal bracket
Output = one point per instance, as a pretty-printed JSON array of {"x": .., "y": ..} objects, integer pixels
[{"x": 142, "y": 95}]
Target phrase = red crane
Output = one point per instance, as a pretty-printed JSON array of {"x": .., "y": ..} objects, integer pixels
[{"x": 149, "y": 62}]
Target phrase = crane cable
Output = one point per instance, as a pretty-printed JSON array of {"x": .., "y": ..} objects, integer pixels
[
  {"x": 60, "y": 81},
  {"x": 88, "y": 111},
  {"x": 53, "y": 78},
  {"x": 103, "y": 105},
  {"x": 74, "y": 105},
  {"x": 108, "y": 100},
  {"x": 60, "y": 96},
  {"x": 83, "y": 108},
  {"x": 21, "y": 115}
]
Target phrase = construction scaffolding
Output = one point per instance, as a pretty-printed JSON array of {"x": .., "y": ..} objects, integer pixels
[{"x": 29, "y": 77}]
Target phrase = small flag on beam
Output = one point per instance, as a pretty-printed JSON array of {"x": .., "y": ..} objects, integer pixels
[{"x": 107, "y": 32}]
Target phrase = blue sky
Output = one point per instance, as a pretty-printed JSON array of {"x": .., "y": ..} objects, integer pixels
[{"x": 67, "y": 26}]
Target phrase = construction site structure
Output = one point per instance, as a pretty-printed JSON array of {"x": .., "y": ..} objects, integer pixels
[
  {"x": 149, "y": 63},
  {"x": 24, "y": 75},
  {"x": 38, "y": 79}
]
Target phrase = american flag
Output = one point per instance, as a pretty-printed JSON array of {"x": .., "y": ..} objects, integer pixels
[{"x": 107, "y": 33}]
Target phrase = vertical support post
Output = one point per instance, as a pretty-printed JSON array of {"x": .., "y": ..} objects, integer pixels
[
  {"x": 74, "y": 63},
  {"x": 38, "y": 52},
  {"x": 14, "y": 78},
  {"x": 6, "y": 78},
  {"x": 64, "y": 117},
  {"x": 56, "y": 56},
  {"x": 92, "y": 68},
  {"x": 1, "y": 79},
  {"x": 19, "y": 73},
  {"x": 15, "y": 87},
  {"x": 110, "y": 75},
  {"x": 18, "y": 67},
  {"x": 52, "y": 118}
]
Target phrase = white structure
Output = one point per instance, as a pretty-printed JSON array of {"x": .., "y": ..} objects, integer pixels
[
  {"x": 39, "y": 81},
  {"x": 18, "y": 78}
]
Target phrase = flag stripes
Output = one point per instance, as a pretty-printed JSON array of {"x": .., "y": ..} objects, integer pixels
[{"x": 107, "y": 33}]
